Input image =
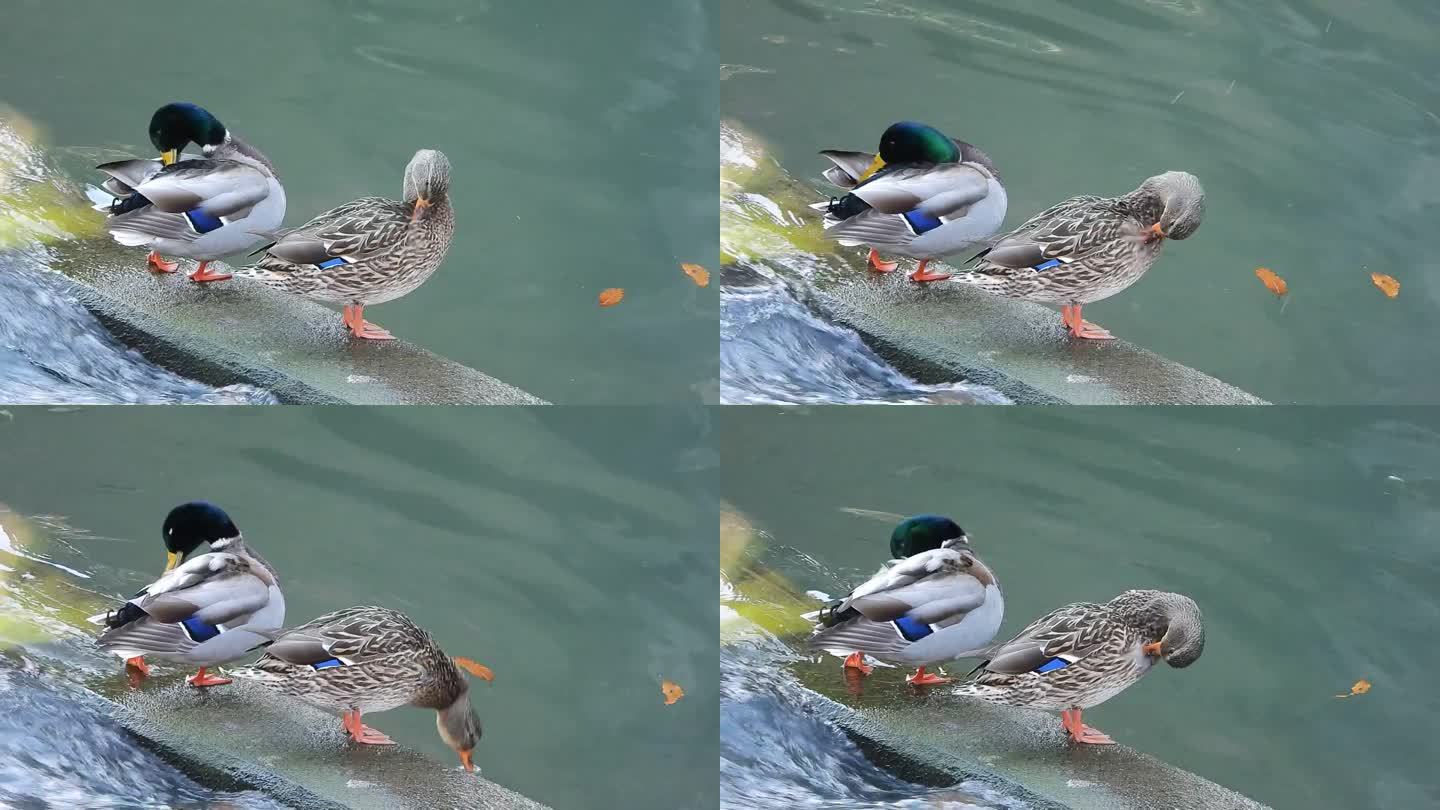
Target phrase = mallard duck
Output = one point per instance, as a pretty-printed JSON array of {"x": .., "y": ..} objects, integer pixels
[
  {"x": 372, "y": 659},
  {"x": 201, "y": 208},
  {"x": 205, "y": 610},
  {"x": 935, "y": 602},
  {"x": 925, "y": 195},
  {"x": 1086, "y": 249},
  {"x": 1084, "y": 654},
  {"x": 368, "y": 251}
]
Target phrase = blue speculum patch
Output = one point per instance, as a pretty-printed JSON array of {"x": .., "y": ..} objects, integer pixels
[
  {"x": 921, "y": 222},
  {"x": 202, "y": 222},
  {"x": 1052, "y": 665},
  {"x": 200, "y": 631},
  {"x": 1047, "y": 265},
  {"x": 911, "y": 630},
  {"x": 328, "y": 663},
  {"x": 329, "y": 263}
]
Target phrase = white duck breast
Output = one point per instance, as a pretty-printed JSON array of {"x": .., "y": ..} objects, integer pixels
[
  {"x": 932, "y": 607},
  {"x": 209, "y": 610}
]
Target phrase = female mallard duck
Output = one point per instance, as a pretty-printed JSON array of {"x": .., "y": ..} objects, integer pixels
[
  {"x": 206, "y": 610},
  {"x": 371, "y": 659},
  {"x": 925, "y": 195},
  {"x": 201, "y": 208},
  {"x": 1084, "y": 654},
  {"x": 1086, "y": 249},
  {"x": 368, "y": 251},
  {"x": 935, "y": 602}
]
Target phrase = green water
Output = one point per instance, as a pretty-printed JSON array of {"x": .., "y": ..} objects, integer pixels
[
  {"x": 582, "y": 138},
  {"x": 576, "y": 562},
  {"x": 1307, "y": 536},
  {"x": 1312, "y": 124}
]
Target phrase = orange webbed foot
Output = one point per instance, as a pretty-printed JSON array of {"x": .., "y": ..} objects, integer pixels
[
  {"x": 157, "y": 264},
  {"x": 856, "y": 661},
  {"x": 200, "y": 680},
  {"x": 202, "y": 274},
  {"x": 878, "y": 264}
]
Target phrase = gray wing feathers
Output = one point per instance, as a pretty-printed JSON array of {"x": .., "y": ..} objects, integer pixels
[
  {"x": 125, "y": 175},
  {"x": 220, "y": 187},
  {"x": 138, "y": 227},
  {"x": 930, "y": 587},
  {"x": 215, "y": 588},
  {"x": 904, "y": 190},
  {"x": 300, "y": 648},
  {"x": 848, "y": 167}
]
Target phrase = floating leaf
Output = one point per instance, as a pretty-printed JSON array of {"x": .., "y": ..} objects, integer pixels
[
  {"x": 1387, "y": 284},
  {"x": 474, "y": 668},
  {"x": 611, "y": 297},
  {"x": 1272, "y": 282},
  {"x": 672, "y": 691},
  {"x": 697, "y": 274},
  {"x": 1361, "y": 686}
]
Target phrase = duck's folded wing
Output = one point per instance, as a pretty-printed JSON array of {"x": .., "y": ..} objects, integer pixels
[
  {"x": 1066, "y": 231},
  {"x": 218, "y": 187},
  {"x": 848, "y": 168},
  {"x": 215, "y": 588},
  {"x": 929, "y": 587},
  {"x": 355, "y": 634},
  {"x": 126, "y": 175},
  {"x": 936, "y": 191},
  {"x": 1070, "y": 634},
  {"x": 349, "y": 231}
]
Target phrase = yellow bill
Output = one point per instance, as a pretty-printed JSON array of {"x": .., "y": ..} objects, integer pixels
[
  {"x": 171, "y": 560},
  {"x": 875, "y": 165},
  {"x": 169, "y": 156}
]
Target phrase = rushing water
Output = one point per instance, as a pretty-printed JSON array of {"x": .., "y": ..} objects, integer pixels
[
  {"x": 52, "y": 350},
  {"x": 582, "y": 138},
  {"x": 773, "y": 349},
  {"x": 569, "y": 559},
  {"x": 1308, "y": 537},
  {"x": 86, "y": 759},
  {"x": 1311, "y": 123},
  {"x": 775, "y": 753}
]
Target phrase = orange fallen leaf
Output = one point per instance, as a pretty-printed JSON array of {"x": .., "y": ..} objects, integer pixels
[
  {"x": 698, "y": 274},
  {"x": 1272, "y": 282},
  {"x": 611, "y": 297},
  {"x": 474, "y": 668},
  {"x": 672, "y": 691},
  {"x": 1387, "y": 284},
  {"x": 1361, "y": 687}
]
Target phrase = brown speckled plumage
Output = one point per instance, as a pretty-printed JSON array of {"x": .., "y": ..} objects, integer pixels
[
  {"x": 1101, "y": 244},
  {"x": 1101, "y": 645},
  {"x": 387, "y": 250},
  {"x": 389, "y": 662}
]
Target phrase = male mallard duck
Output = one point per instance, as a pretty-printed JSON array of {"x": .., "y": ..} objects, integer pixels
[
  {"x": 368, "y": 251},
  {"x": 935, "y": 602},
  {"x": 925, "y": 195},
  {"x": 1084, "y": 654},
  {"x": 202, "y": 208},
  {"x": 206, "y": 610},
  {"x": 1086, "y": 249},
  {"x": 372, "y": 659}
]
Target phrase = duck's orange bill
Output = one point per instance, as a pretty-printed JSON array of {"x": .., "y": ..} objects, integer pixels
[
  {"x": 476, "y": 669},
  {"x": 465, "y": 760}
]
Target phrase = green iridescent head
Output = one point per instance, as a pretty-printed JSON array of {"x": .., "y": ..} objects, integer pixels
[
  {"x": 923, "y": 533},
  {"x": 175, "y": 125},
  {"x": 914, "y": 142}
]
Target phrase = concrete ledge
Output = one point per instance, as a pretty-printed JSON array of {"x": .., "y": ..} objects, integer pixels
[
  {"x": 242, "y": 332},
  {"x": 937, "y": 333}
]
